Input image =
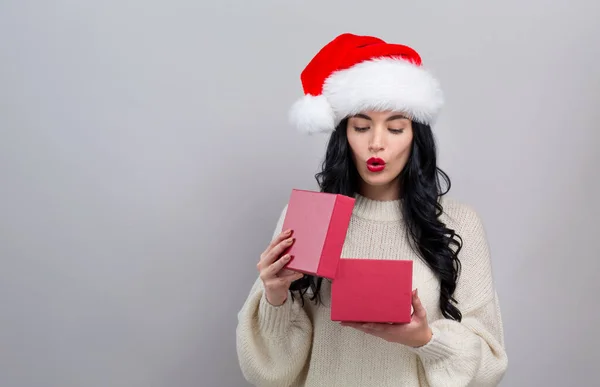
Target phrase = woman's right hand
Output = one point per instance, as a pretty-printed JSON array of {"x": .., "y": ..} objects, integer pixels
[{"x": 276, "y": 279}]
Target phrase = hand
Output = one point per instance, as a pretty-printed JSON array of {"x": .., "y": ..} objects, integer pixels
[
  {"x": 276, "y": 279},
  {"x": 416, "y": 333}
]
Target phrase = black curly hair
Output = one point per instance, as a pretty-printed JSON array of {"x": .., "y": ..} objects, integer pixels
[{"x": 421, "y": 189}]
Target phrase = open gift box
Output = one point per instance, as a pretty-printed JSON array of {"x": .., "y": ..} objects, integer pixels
[{"x": 372, "y": 290}]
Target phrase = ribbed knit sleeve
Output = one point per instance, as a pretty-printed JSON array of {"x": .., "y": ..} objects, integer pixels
[
  {"x": 273, "y": 342},
  {"x": 470, "y": 352}
]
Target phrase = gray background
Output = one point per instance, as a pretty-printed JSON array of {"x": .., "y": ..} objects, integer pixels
[{"x": 145, "y": 156}]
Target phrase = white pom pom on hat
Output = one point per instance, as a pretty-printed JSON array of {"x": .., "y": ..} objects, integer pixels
[
  {"x": 312, "y": 114},
  {"x": 355, "y": 73}
]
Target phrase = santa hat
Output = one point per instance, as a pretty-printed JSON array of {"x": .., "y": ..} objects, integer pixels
[{"x": 355, "y": 73}]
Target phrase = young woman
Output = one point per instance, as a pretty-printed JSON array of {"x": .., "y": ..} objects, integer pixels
[{"x": 379, "y": 103}]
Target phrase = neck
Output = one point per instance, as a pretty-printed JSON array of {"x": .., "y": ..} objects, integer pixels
[{"x": 388, "y": 192}]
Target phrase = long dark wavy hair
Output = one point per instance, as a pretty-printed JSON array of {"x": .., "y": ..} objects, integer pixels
[{"x": 420, "y": 182}]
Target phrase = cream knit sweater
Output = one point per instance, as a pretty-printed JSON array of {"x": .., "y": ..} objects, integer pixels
[{"x": 291, "y": 345}]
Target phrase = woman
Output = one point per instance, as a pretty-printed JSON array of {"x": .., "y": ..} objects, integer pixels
[{"x": 379, "y": 103}]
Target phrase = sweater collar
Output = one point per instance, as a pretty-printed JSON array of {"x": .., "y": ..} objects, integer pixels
[{"x": 388, "y": 210}]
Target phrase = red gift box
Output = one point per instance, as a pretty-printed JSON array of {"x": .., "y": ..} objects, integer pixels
[
  {"x": 372, "y": 290},
  {"x": 320, "y": 222}
]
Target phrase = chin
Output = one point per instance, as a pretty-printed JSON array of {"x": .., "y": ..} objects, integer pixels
[{"x": 380, "y": 179}]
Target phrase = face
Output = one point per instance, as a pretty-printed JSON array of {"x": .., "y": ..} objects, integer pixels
[{"x": 380, "y": 144}]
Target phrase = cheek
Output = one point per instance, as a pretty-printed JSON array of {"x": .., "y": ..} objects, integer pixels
[
  {"x": 354, "y": 145},
  {"x": 402, "y": 153}
]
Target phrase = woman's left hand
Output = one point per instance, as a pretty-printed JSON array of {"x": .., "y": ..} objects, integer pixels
[{"x": 416, "y": 333}]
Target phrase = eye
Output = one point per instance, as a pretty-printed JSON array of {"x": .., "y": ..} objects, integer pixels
[
  {"x": 396, "y": 131},
  {"x": 361, "y": 129}
]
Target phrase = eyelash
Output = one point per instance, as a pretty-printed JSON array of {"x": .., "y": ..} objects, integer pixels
[{"x": 395, "y": 131}]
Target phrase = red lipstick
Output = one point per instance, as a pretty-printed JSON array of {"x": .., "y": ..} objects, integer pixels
[{"x": 375, "y": 164}]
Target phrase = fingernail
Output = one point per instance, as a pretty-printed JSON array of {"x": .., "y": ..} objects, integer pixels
[{"x": 286, "y": 232}]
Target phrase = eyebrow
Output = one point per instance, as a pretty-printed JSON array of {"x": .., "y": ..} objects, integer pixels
[{"x": 391, "y": 118}]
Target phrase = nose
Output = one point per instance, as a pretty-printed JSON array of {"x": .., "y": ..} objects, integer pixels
[{"x": 376, "y": 141}]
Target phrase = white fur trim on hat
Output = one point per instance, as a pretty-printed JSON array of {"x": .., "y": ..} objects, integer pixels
[{"x": 384, "y": 84}]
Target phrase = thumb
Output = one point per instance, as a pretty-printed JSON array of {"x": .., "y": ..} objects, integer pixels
[{"x": 419, "y": 309}]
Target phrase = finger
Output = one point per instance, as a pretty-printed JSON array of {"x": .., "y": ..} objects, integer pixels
[
  {"x": 355, "y": 325},
  {"x": 286, "y": 272},
  {"x": 275, "y": 253},
  {"x": 373, "y": 327},
  {"x": 419, "y": 310},
  {"x": 282, "y": 236},
  {"x": 274, "y": 268},
  {"x": 289, "y": 274},
  {"x": 285, "y": 281}
]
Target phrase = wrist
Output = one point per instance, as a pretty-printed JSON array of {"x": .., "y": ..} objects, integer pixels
[{"x": 276, "y": 299}]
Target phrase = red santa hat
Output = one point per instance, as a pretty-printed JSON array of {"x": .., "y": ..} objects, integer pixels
[{"x": 355, "y": 73}]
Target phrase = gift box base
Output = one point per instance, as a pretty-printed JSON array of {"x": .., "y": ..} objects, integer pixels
[{"x": 372, "y": 290}]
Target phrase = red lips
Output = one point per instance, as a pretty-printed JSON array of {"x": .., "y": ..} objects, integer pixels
[{"x": 375, "y": 164}]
